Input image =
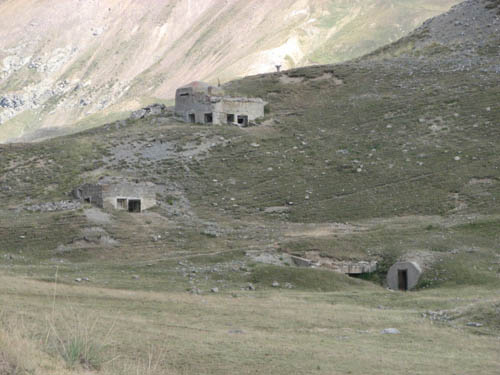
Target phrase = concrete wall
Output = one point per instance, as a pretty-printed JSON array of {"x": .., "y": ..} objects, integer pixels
[
  {"x": 189, "y": 101},
  {"x": 146, "y": 192},
  {"x": 414, "y": 271},
  {"x": 202, "y": 100},
  {"x": 253, "y": 108},
  {"x": 91, "y": 192}
]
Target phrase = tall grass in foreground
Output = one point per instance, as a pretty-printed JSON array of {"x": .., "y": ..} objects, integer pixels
[
  {"x": 152, "y": 365},
  {"x": 75, "y": 337}
]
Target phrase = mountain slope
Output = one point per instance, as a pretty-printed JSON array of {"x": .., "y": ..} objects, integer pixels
[
  {"x": 80, "y": 62},
  {"x": 395, "y": 133},
  {"x": 395, "y": 154}
]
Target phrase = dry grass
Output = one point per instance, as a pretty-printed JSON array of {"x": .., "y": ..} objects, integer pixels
[
  {"x": 269, "y": 332},
  {"x": 20, "y": 355}
]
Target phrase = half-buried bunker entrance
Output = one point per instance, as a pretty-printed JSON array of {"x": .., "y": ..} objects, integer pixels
[
  {"x": 134, "y": 205},
  {"x": 403, "y": 276}
]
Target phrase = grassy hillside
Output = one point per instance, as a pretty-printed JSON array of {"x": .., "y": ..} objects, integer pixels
[{"x": 390, "y": 156}]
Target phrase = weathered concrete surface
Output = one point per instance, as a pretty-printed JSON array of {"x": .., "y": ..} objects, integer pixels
[
  {"x": 413, "y": 269},
  {"x": 144, "y": 191},
  {"x": 110, "y": 194},
  {"x": 355, "y": 268},
  {"x": 202, "y": 103}
]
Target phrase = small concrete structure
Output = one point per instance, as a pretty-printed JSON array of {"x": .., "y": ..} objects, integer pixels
[
  {"x": 404, "y": 275},
  {"x": 355, "y": 268},
  {"x": 199, "y": 102},
  {"x": 130, "y": 196}
]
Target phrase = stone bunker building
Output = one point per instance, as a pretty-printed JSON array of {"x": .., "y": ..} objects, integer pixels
[
  {"x": 130, "y": 196},
  {"x": 199, "y": 102}
]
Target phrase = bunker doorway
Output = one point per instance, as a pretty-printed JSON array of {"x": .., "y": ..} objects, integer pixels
[
  {"x": 243, "y": 120},
  {"x": 230, "y": 118},
  {"x": 209, "y": 118},
  {"x": 134, "y": 205},
  {"x": 403, "y": 280},
  {"x": 121, "y": 203},
  {"x": 192, "y": 118}
]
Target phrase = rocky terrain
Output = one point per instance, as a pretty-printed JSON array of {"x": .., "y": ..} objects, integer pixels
[{"x": 80, "y": 63}]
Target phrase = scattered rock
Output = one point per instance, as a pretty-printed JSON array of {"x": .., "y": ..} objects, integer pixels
[
  {"x": 78, "y": 280},
  {"x": 275, "y": 284},
  {"x": 194, "y": 290},
  {"x": 152, "y": 110},
  {"x": 250, "y": 286},
  {"x": 390, "y": 331},
  {"x": 236, "y": 331},
  {"x": 54, "y": 206},
  {"x": 474, "y": 324},
  {"x": 135, "y": 277},
  {"x": 214, "y": 290}
]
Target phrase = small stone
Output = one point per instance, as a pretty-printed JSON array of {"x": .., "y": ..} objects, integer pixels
[
  {"x": 275, "y": 284},
  {"x": 78, "y": 280},
  {"x": 236, "y": 331},
  {"x": 250, "y": 286},
  {"x": 214, "y": 290},
  {"x": 474, "y": 324},
  {"x": 135, "y": 277},
  {"x": 456, "y": 158},
  {"x": 390, "y": 331}
]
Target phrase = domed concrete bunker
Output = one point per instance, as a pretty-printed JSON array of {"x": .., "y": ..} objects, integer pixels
[{"x": 403, "y": 275}]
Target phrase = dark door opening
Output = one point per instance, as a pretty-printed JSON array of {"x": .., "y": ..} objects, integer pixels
[
  {"x": 192, "y": 118},
  {"x": 121, "y": 203},
  {"x": 230, "y": 118},
  {"x": 87, "y": 200},
  {"x": 243, "y": 120},
  {"x": 134, "y": 205},
  {"x": 209, "y": 118},
  {"x": 403, "y": 279}
]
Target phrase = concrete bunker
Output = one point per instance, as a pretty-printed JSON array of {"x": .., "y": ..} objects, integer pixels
[
  {"x": 121, "y": 195},
  {"x": 199, "y": 102},
  {"x": 404, "y": 275}
]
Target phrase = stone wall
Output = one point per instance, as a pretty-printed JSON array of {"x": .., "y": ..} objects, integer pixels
[{"x": 91, "y": 193}]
